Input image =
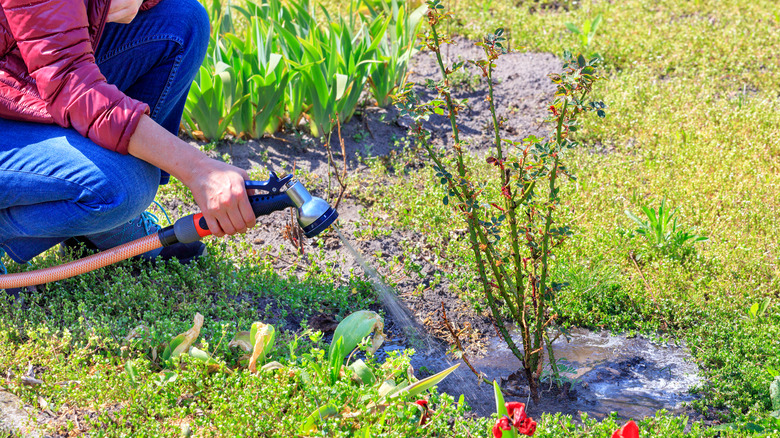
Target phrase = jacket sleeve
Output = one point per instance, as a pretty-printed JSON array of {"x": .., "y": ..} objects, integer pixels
[
  {"x": 54, "y": 41},
  {"x": 149, "y": 4}
]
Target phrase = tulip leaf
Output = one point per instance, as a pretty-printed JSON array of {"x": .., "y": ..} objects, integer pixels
[
  {"x": 500, "y": 404},
  {"x": 354, "y": 328},
  {"x": 132, "y": 371},
  {"x": 182, "y": 343},
  {"x": 341, "y": 85},
  {"x": 270, "y": 366},
  {"x": 427, "y": 383},
  {"x": 502, "y": 411},
  {"x": 320, "y": 414},
  {"x": 241, "y": 340},
  {"x": 140, "y": 332},
  {"x": 202, "y": 356},
  {"x": 349, "y": 333},
  {"x": 388, "y": 387},
  {"x": 261, "y": 336},
  {"x": 362, "y": 374}
]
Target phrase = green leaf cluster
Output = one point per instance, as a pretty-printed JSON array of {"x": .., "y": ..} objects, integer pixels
[
  {"x": 287, "y": 63},
  {"x": 662, "y": 232}
]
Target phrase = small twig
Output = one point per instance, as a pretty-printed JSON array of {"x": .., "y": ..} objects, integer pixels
[
  {"x": 340, "y": 178},
  {"x": 365, "y": 125},
  {"x": 495, "y": 327},
  {"x": 647, "y": 285},
  {"x": 459, "y": 346},
  {"x": 294, "y": 234}
]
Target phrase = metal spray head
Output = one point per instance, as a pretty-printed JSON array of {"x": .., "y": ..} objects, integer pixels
[{"x": 315, "y": 215}]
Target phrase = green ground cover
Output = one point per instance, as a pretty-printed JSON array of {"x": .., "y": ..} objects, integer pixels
[{"x": 693, "y": 119}]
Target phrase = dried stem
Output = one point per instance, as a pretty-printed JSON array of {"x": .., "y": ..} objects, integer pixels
[
  {"x": 459, "y": 346},
  {"x": 341, "y": 178}
]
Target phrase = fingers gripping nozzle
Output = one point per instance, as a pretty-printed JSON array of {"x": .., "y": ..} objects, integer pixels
[{"x": 315, "y": 215}]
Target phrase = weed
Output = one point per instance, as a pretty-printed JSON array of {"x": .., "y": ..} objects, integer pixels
[
  {"x": 587, "y": 32},
  {"x": 662, "y": 232},
  {"x": 463, "y": 79},
  {"x": 360, "y": 136}
]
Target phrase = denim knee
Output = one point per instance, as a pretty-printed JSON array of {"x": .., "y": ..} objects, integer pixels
[
  {"x": 196, "y": 31},
  {"x": 123, "y": 197}
]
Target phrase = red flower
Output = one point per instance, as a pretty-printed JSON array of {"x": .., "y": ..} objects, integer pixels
[
  {"x": 423, "y": 403},
  {"x": 501, "y": 425},
  {"x": 516, "y": 411},
  {"x": 630, "y": 430},
  {"x": 517, "y": 418},
  {"x": 527, "y": 427}
]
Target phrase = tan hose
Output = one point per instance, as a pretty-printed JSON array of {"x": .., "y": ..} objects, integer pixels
[{"x": 80, "y": 266}]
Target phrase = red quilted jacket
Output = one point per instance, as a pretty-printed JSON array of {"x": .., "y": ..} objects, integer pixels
[{"x": 48, "y": 72}]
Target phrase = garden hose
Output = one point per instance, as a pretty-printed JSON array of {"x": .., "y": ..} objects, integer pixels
[
  {"x": 81, "y": 266},
  {"x": 315, "y": 215}
]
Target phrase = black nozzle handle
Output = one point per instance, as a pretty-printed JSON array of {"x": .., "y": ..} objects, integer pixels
[
  {"x": 263, "y": 205},
  {"x": 194, "y": 227}
]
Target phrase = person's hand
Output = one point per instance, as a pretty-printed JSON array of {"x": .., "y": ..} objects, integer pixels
[
  {"x": 220, "y": 193},
  {"x": 218, "y": 187},
  {"x": 123, "y": 11}
]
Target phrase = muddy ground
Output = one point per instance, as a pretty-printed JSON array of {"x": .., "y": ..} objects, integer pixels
[{"x": 522, "y": 93}]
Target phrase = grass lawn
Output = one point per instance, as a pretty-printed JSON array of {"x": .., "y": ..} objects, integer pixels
[{"x": 693, "y": 119}]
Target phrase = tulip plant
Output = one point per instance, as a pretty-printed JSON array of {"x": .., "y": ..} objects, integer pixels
[
  {"x": 511, "y": 219},
  {"x": 290, "y": 63},
  {"x": 396, "y": 50},
  {"x": 391, "y": 384}
]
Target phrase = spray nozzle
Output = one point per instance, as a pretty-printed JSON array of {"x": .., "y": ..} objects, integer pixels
[{"x": 315, "y": 215}]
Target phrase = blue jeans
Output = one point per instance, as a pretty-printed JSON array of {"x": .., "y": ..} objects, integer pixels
[{"x": 55, "y": 184}]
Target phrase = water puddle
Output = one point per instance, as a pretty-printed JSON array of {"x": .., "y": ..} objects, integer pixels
[{"x": 632, "y": 376}]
